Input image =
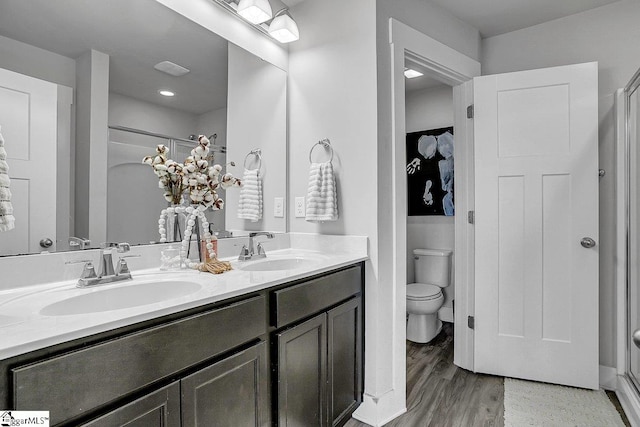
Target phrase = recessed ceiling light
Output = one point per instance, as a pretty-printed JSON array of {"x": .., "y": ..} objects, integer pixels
[
  {"x": 166, "y": 93},
  {"x": 412, "y": 74},
  {"x": 171, "y": 68}
]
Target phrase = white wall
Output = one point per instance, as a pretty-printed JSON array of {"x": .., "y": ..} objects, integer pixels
[
  {"x": 215, "y": 121},
  {"x": 340, "y": 88},
  {"x": 231, "y": 27},
  {"x": 144, "y": 200},
  {"x": 431, "y": 108},
  {"x": 92, "y": 111},
  {"x": 332, "y": 94},
  {"x": 257, "y": 108},
  {"x": 35, "y": 62},
  {"x": 133, "y": 113},
  {"x": 610, "y": 36},
  {"x": 385, "y": 359}
]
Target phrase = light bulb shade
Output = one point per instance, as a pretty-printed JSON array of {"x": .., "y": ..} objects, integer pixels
[
  {"x": 255, "y": 11},
  {"x": 284, "y": 29}
]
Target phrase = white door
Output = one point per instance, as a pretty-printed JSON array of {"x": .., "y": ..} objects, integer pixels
[
  {"x": 536, "y": 199},
  {"x": 28, "y": 115}
]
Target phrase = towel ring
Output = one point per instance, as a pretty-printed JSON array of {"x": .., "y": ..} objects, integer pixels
[
  {"x": 326, "y": 144},
  {"x": 255, "y": 152}
]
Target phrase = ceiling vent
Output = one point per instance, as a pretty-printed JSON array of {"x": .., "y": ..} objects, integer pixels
[{"x": 171, "y": 68}]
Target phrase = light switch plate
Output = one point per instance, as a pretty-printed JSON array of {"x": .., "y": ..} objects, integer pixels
[
  {"x": 278, "y": 207},
  {"x": 299, "y": 207}
]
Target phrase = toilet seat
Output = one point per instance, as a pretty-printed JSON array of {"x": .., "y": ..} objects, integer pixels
[{"x": 423, "y": 292}]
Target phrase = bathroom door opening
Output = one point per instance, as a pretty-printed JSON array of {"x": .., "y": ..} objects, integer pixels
[{"x": 430, "y": 153}]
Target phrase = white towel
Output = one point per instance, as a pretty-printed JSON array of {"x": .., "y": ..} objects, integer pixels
[
  {"x": 250, "y": 203},
  {"x": 7, "y": 221},
  {"x": 322, "y": 202}
]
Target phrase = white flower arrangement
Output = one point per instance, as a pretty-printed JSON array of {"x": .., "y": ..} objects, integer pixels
[
  {"x": 197, "y": 179},
  {"x": 194, "y": 176}
]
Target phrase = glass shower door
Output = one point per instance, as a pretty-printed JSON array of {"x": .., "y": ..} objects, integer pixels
[{"x": 632, "y": 93}]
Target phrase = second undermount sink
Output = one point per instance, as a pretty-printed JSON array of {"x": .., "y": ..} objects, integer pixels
[
  {"x": 278, "y": 264},
  {"x": 117, "y": 298}
]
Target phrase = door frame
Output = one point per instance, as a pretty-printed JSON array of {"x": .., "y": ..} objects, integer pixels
[{"x": 454, "y": 68}]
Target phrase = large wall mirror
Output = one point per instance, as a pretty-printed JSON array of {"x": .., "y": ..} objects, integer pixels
[{"x": 80, "y": 106}]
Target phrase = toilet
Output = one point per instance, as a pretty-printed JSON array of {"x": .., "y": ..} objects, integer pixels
[{"x": 424, "y": 298}]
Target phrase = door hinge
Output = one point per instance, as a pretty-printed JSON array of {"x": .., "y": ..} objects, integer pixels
[
  {"x": 469, "y": 112},
  {"x": 471, "y": 217},
  {"x": 471, "y": 322}
]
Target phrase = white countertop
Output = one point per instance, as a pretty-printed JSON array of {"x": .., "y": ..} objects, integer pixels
[{"x": 23, "y": 328}]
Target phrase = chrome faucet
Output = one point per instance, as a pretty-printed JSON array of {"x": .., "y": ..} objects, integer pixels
[
  {"x": 248, "y": 253},
  {"x": 107, "y": 273}
]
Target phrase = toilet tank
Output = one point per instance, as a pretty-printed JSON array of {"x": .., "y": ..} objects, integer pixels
[{"x": 433, "y": 266}]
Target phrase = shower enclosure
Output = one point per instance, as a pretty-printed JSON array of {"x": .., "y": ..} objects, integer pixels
[
  {"x": 132, "y": 187},
  {"x": 628, "y": 235}
]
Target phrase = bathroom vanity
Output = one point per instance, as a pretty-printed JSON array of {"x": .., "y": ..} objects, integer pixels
[{"x": 285, "y": 352}]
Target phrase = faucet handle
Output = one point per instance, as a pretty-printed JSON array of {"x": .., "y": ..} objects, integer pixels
[
  {"x": 124, "y": 247},
  {"x": 261, "y": 252},
  {"x": 123, "y": 267},
  {"x": 244, "y": 253},
  {"x": 88, "y": 271},
  {"x": 78, "y": 242}
]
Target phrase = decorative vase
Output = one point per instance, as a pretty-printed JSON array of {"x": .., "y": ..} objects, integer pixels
[
  {"x": 171, "y": 223},
  {"x": 197, "y": 227}
]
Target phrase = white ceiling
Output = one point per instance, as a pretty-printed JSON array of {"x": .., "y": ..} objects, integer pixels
[
  {"x": 136, "y": 35},
  {"x": 493, "y": 17}
]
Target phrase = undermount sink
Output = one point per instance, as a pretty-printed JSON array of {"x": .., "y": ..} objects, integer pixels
[
  {"x": 278, "y": 264},
  {"x": 130, "y": 295}
]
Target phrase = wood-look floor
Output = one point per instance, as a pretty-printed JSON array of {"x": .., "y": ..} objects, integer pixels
[{"x": 440, "y": 394}]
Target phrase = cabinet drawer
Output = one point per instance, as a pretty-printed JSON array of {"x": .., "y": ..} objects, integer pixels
[
  {"x": 75, "y": 383},
  {"x": 299, "y": 301}
]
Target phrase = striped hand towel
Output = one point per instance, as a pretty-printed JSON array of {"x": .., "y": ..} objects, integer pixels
[
  {"x": 322, "y": 203},
  {"x": 7, "y": 221},
  {"x": 250, "y": 203}
]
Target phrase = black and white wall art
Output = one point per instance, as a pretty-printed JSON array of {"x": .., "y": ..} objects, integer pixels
[{"x": 430, "y": 172}]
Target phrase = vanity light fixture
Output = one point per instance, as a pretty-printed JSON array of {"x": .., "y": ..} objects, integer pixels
[
  {"x": 166, "y": 92},
  {"x": 279, "y": 26},
  {"x": 255, "y": 11},
  {"x": 283, "y": 28},
  {"x": 412, "y": 74}
]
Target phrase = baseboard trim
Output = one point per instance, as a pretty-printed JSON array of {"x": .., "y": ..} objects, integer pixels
[
  {"x": 377, "y": 412},
  {"x": 608, "y": 378},
  {"x": 628, "y": 400}
]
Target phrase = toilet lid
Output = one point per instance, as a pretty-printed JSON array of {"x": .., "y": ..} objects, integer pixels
[{"x": 423, "y": 291}]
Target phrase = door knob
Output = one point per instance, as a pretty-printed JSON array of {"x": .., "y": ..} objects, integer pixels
[
  {"x": 46, "y": 243},
  {"x": 587, "y": 242},
  {"x": 636, "y": 337}
]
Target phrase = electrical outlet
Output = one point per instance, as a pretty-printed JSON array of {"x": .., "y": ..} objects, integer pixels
[
  {"x": 278, "y": 207},
  {"x": 299, "y": 207}
]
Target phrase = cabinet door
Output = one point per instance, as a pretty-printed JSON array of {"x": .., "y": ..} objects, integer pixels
[
  {"x": 160, "y": 408},
  {"x": 344, "y": 360},
  {"x": 232, "y": 392},
  {"x": 302, "y": 374}
]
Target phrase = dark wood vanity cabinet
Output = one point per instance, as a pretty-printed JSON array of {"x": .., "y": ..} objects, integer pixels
[
  {"x": 231, "y": 392},
  {"x": 290, "y": 356},
  {"x": 319, "y": 359},
  {"x": 160, "y": 408}
]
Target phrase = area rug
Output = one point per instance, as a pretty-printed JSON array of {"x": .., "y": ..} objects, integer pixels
[{"x": 528, "y": 403}]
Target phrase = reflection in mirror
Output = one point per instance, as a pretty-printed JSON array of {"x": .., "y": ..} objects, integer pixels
[{"x": 80, "y": 106}]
